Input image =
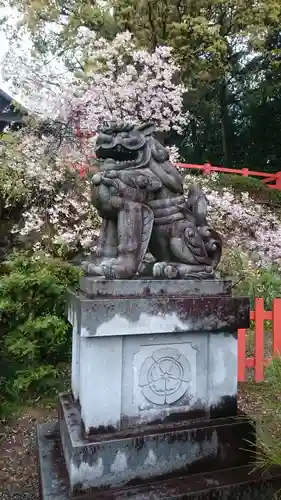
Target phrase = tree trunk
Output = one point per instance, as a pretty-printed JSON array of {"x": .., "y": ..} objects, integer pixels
[{"x": 224, "y": 119}]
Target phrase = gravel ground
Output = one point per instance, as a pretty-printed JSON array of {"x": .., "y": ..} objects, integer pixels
[{"x": 18, "y": 461}]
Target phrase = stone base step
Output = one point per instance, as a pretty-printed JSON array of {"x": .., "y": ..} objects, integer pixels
[
  {"x": 151, "y": 452},
  {"x": 239, "y": 483}
]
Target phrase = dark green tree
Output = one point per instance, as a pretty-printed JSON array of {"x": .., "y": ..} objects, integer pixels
[{"x": 226, "y": 50}]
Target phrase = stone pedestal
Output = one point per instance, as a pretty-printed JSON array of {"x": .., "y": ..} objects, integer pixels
[
  {"x": 154, "y": 388},
  {"x": 145, "y": 350}
]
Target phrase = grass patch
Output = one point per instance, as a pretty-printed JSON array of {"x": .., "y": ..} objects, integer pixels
[
  {"x": 257, "y": 189},
  {"x": 14, "y": 405},
  {"x": 262, "y": 402},
  {"x": 250, "y": 339}
]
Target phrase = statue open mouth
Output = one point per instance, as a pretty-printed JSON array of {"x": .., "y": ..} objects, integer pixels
[
  {"x": 118, "y": 154},
  {"x": 122, "y": 146}
]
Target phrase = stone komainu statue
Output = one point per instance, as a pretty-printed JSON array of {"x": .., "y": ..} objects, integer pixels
[{"x": 139, "y": 195}]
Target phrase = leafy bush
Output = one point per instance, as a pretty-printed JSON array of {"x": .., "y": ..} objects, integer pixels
[
  {"x": 35, "y": 336},
  {"x": 268, "y": 421},
  {"x": 249, "y": 280},
  {"x": 257, "y": 189},
  {"x": 45, "y": 204},
  {"x": 252, "y": 185},
  {"x": 241, "y": 183}
]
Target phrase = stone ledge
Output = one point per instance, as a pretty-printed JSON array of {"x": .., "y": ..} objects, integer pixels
[
  {"x": 239, "y": 483},
  {"x": 100, "y": 287},
  {"x": 139, "y": 316},
  {"x": 70, "y": 413},
  {"x": 123, "y": 457}
]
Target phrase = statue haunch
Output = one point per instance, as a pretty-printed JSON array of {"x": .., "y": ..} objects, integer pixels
[{"x": 139, "y": 195}]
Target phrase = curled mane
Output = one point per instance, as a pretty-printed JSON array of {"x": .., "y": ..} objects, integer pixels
[{"x": 162, "y": 167}]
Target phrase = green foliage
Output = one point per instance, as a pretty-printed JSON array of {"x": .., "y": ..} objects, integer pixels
[
  {"x": 258, "y": 190},
  {"x": 268, "y": 423},
  {"x": 229, "y": 57},
  {"x": 12, "y": 190},
  {"x": 218, "y": 71},
  {"x": 248, "y": 280},
  {"x": 252, "y": 185},
  {"x": 266, "y": 284},
  {"x": 13, "y": 193},
  {"x": 35, "y": 337},
  {"x": 241, "y": 183},
  {"x": 273, "y": 374}
]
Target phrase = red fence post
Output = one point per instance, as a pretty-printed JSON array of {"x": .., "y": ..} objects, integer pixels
[
  {"x": 206, "y": 169},
  {"x": 259, "y": 340},
  {"x": 276, "y": 327},
  {"x": 278, "y": 180},
  {"x": 241, "y": 354}
]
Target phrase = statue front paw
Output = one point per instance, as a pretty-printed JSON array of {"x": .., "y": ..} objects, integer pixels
[
  {"x": 104, "y": 268},
  {"x": 177, "y": 270},
  {"x": 114, "y": 268},
  {"x": 165, "y": 270}
]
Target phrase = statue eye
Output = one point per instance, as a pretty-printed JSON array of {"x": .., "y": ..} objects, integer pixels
[
  {"x": 134, "y": 141},
  {"x": 107, "y": 131},
  {"x": 104, "y": 138}
]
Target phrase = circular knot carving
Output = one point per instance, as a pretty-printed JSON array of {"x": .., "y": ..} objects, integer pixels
[{"x": 164, "y": 376}]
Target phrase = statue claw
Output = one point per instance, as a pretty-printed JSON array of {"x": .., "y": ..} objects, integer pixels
[
  {"x": 173, "y": 270},
  {"x": 165, "y": 270},
  {"x": 157, "y": 270},
  {"x": 170, "y": 272},
  {"x": 114, "y": 268}
]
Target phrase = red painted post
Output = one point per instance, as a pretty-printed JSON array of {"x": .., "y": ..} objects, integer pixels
[
  {"x": 206, "y": 169},
  {"x": 259, "y": 340},
  {"x": 276, "y": 327},
  {"x": 241, "y": 355},
  {"x": 245, "y": 172},
  {"x": 278, "y": 180}
]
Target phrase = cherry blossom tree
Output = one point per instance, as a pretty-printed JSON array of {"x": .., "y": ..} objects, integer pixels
[
  {"x": 109, "y": 79},
  {"x": 130, "y": 84},
  {"x": 117, "y": 81},
  {"x": 250, "y": 227}
]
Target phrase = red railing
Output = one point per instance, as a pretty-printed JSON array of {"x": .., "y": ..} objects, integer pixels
[
  {"x": 207, "y": 168},
  {"x": 273, "y": 181},
  {"x": 261, "y": 341}
]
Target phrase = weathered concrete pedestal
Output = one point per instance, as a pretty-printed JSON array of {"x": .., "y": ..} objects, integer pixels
[{"x": 153, "y": 408}]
